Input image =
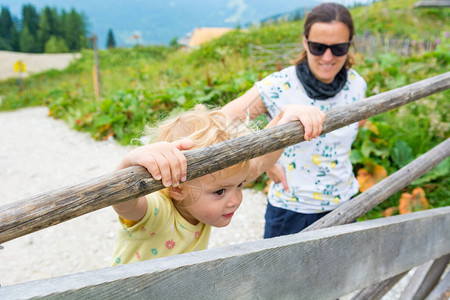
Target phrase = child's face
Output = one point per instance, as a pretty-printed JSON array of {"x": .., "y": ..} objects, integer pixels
[{"x": 212, "y": 199}]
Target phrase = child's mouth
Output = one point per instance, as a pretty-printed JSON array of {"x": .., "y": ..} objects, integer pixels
[{"x": 229, "y": 215}]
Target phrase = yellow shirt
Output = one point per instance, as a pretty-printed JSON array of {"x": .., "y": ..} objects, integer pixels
[{"x": 162, "y": 232}]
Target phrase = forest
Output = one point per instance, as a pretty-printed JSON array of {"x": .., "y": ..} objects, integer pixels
[{"x": 48, "y": 31}]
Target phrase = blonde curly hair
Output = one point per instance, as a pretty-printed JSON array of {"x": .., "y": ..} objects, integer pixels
[{"x": 204, "y": 127}]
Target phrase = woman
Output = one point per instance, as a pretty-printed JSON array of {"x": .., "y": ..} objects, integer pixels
[{"x": 313, "y": 177}]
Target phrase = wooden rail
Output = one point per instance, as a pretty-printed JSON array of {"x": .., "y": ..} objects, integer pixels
[
  {"x": 322, "y": 264},
  {"x": 432, "y": 3},
  {"x": 280, "y": 55},
  {"x": 29, "y": 215}
]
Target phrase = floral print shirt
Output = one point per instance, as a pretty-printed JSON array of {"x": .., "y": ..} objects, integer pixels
[
  {"x": 162, "y": 232},
  {"x": 319, "y": 172}
]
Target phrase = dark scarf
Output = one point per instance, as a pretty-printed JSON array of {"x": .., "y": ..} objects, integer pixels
[{"x": 316, "y": 89}]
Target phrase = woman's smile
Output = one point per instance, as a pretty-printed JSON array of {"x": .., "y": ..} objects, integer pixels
[{"x": 326, "y": 66}]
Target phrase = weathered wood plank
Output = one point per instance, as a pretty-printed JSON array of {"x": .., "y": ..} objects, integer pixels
[
  {"x": 324, "y": 264},
  {"x": 377, "y": 291},
  {"x": 41, "y": 211},
  {"x": 425, "y": 278},
  {"x": 432, "y": 3},
  {"x": 442, "y": 290}
]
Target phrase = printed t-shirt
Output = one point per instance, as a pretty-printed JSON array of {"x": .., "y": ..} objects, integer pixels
[
  {"x": 162, "y": 232},
  {"x": 319, "y": 172}
]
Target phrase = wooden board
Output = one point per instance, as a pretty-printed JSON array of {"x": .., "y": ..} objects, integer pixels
[
  {"x": 432, "y": 3},
  {"x": 322, "y": 264}
]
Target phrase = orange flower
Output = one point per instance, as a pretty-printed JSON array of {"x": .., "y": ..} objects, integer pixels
[
  {"x": 413, "y": 202},
  {"x": 368, "y": 179},
  {"x": 371, "y": 127},
  {"x": 389, "y": 211}
]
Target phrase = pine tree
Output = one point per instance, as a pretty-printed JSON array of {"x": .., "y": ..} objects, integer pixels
[
  {"x": 48, "y": 31},
  {"x": 6, "y": 29},
  {"x": 75, "y": 30},
  {"x": 55, "y": 45},
  {"x": 15, "y": 37},
  {"x": 110, "y": 42},
  {"x": 174, "y": 43},
  {"x": 27, "y": 41},
  {"x": 30, "y": 24},
  {"x": 30, "y": 19},
  {"x": 297, "y": 16},
  {"x": 47, "y": 26},
  {"x": 6, "y": 23},
  {"x": 4, "y": 45}
]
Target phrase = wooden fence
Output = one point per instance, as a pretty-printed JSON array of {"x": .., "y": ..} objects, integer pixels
[
  {"x": 432, "y": 3},
  {"x": 322, "y": 263},
  {"x": 281, "y": 55},
  {"x": 274, "y": 56}
]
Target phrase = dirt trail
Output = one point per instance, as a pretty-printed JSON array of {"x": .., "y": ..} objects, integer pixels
[{"x": 34, "y": 62}]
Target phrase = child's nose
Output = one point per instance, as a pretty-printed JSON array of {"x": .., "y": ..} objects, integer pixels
[{"x": 235, "y": 199}]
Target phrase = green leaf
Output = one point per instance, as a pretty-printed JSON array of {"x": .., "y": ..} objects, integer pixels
[
  {"x": 355, "y": 156},
  {"x": 102, "y": 120},
  {"x": 441, "y": 170},
  {"x": 402, "y": 153},
  {"x": 378, "y": 150},
  {"x": 105, "y": 105}
]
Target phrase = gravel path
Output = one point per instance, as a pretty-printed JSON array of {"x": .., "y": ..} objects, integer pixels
[{"x": 38, "y": 154}]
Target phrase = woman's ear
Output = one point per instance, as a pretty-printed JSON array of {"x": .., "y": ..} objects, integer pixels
[
  {"x": 305, "y": 44},
  {"x": 177, "y": 192}
]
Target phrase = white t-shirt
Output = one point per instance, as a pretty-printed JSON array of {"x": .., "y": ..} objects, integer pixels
[{"x": 319, "y": 173}]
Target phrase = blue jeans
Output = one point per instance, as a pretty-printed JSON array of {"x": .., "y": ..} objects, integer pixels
[{"x": 281, "y": 221}]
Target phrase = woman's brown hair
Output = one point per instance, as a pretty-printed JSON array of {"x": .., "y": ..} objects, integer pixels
[{"x": 328, "y": 13}]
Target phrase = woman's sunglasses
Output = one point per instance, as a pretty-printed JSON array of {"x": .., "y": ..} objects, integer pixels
[{"x": 336, "y": 49}]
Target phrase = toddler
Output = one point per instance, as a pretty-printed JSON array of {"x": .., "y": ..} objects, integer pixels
[{"x": 178, "y": 219}]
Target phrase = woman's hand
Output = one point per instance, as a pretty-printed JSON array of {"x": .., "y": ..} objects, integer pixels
[
  {"x": 311, "y": 118},
  {"x": 277, "y": 175},
  {"x": 163, "y": 160}
]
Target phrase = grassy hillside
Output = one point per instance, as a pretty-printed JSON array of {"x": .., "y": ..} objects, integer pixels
[
  {"x": 140, "y": 85},
  {"x": 399, "y": 18}
]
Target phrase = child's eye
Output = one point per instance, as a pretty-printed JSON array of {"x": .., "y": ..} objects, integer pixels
[
  {"x": 240, "y": 185},
  {"x": 219, "y": 192}
]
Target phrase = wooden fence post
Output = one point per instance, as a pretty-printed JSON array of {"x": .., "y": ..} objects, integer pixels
[
  {"x": 96, "y": 69},
  {"x": 442, "y": 289},
  {"x": 377, "y": 291},
  {"x": 425, "y": 278},
  {"x": 250, "y": 54}
]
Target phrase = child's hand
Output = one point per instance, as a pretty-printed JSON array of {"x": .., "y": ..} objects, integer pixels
[
  {"x": 311, "y": 118},
  {"x": 163, "y": 160}
]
